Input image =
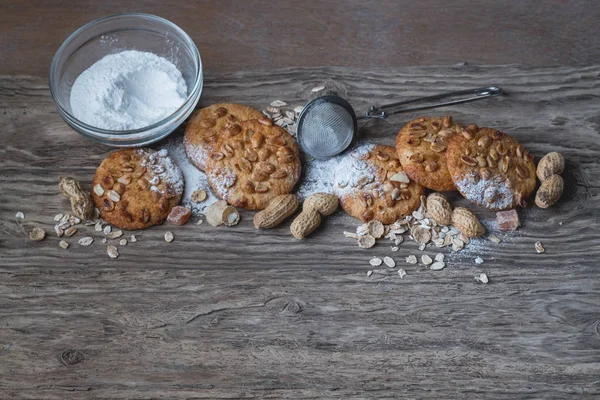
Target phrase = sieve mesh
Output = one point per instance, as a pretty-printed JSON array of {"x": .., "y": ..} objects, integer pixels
[{"x": 326, "y": 129}]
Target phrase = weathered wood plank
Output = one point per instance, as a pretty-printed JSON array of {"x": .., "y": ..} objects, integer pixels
[{"x": 233, "y": 312}]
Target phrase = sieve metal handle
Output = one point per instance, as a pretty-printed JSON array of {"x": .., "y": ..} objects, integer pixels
[{"x": 479, "y": 93}]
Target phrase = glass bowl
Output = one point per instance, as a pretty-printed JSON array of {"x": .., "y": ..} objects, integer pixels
[{"x": 113, "y": 34}]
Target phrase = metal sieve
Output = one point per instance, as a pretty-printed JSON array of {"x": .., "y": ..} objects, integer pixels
[{"x": 328, "y": 124}]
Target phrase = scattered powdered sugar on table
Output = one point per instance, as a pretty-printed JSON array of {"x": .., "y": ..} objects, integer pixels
[{"x": 194, "y": 178}]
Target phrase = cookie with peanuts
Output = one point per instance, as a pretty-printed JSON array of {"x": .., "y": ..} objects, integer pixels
[
  {"x": 372, "y": 185},
  {"x": 207, "y": 124},
  {"x": 490, "y": 168},
  {"x": 136, "y": 188},
  {"x": 251, "y": 162},
  {"x": 421, "y": 146}
]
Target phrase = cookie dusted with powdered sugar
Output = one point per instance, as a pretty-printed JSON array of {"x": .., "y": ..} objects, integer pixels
[
  {"x": 250, "y": 165},
  {"x": 490, "y": 168},
  {"x": 371, "y": 185},
  {"x": 136, "y": 188},
  {"x": 421, "y": 146},
  {"x": 207, "y": 125}
]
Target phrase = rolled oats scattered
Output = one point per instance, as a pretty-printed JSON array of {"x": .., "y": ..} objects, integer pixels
[
  {"x": 86, "y": 241},
  {"x": 112, "y": 251},
  {"x": 412, "y": 259},
  {"x": 104, "y": 240},
  {"x": 389, "y": 261},
  {"x": 107, "y": 229},
  {"x": 317, "y": 89},
  {"x": 375, "y": 261},
  {"x": 439, "y": 257},
  {"x": 350, "y": 235},
  {"x": 402, "y": 273},
  {"x": 58, "y": 217},
  {"x": 37, "y": 234},
  {"x": 478, "y": 260},
  {"x": 71, "y": 231},
  {"x": 422, "y": 247},
  {"x": 63, "y": 244},
  {"x": 133, "y": 239},
  {"x": 366, "y": 242},
  {"x": 98, "y": 226},
  {"x": 169, "y": 237},
  {"x": 20, "y": 215},
  {"x": 436, "y": 266},
  {"x": 59, "y": 231},
  {"x": 278, "y": 103},
  {"x": 482, "y": 278},
  {"x": 369, "y": 272},
  {"x": 64, "y": 218},
  {"x": 123, "y": 242},
  {"x": 115, "y": 234},
  {"x": 425, "y": 259},
  {"x": 200, "y": 222},
  {"x": 394, "y": 248}
]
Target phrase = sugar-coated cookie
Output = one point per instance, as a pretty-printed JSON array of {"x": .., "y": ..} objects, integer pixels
[
  {"x": 490, "y": 168},
  {"x": 136, "y": 188},
  {"x": 251, "y": 162},
  {"x": 421, "y": 146},
  {"x": 206, "y": 125},
  {"x": 371, "y": 185}
]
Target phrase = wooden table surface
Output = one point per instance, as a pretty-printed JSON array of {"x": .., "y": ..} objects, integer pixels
[
  {"x": 240, "y": 313},
  {"x": 234, "y": 35}
]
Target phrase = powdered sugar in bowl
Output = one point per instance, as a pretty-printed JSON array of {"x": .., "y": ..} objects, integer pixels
[{"x": 120, "y": 40}]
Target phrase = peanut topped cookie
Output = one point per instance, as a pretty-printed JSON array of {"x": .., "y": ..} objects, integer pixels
[
  {"x": 136, "y": 188},
  {"x": 253, "y": 163},
  {"x": 207, "y": 124},
  {"x": 372, "y": 185},
  {"x": 490, "y": 168},
  {"x": 421, "y": 146}
]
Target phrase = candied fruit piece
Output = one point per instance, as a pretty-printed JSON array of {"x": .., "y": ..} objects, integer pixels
[
  {"x": 508, "y": 220},
  {"x": 179, "y": 215}
]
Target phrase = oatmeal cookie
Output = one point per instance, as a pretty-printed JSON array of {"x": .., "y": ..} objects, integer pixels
[
  {"x": 136, "y": 188},
  {"x": 253, "y": 163},
  {"x": 421, "y": 146},
  {"x": 207, "y": 124},
  {"x": 490, "y": 168},
  {"x": 372, "y": 185}
]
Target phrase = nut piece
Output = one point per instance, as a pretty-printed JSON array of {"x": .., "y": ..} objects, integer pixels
[
  {"x": 179, "y": 215},
  {"x": 549, "y": 192},
  {"x": 539, "y": 248},
  {"x": 169, "y": 236},
  {"x": 278, "y": 210},
  {"x": 324, "y": 203},
  {"x": 214, "y": 212},
  {"x": 199, "y": 196},
  {"x": 551, "y": 164},
  {"x": 230, "y": 216},
  {"x": 37, "y": 234},
  {"x": 63, "y": 244},
  {"x": 439, "y": 209},
  {"x": 467, "y": 223},
  {"x": 305, "y": 223},
  {"x": 86, "y": 241},
  {"x": 81, "y": 202},
  {"x": 508, "y": 220}
]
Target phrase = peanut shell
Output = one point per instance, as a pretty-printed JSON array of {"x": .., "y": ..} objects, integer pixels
[
  {"x": 305, "y": 223},
  {"x": 278, "y": 210},
  {"x": 324, "y": 203},
  {"x": 551, "y": 164},
  {"x": 550, "y": 191},
  {"x": 467, "y": 223},
  {"x": 439, "y": 209}
]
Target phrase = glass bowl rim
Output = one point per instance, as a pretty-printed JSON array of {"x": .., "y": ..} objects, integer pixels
[{"x": 108, "y": 132}]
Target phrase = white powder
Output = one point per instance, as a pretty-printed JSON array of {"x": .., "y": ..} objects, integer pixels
[
  {"x": 127, "y": 90},
  {"x": 194, "y": 178}
]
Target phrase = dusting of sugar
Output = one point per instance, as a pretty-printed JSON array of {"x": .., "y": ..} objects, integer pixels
[
  {"x": 165, "y": 169},
  {"x": 498, "y": 190},
  {"x": 352, "y": 171},
  {"x": 194, "y": 178}
]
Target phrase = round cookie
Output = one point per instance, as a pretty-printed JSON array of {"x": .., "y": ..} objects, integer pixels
[
  {"x": 490, "y": 168},
  {"x": 253, "y": 163},
  {"x": 207, "y": 124},
  {"x": 372, "y": 185},
  {"x": 421, "y": 146},
  {"x": 136, "y": 188}
]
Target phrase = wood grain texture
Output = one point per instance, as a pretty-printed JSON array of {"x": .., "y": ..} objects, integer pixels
[
  {"x": 235, "y": 35},
  {"x": 240, "y": 313}
]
